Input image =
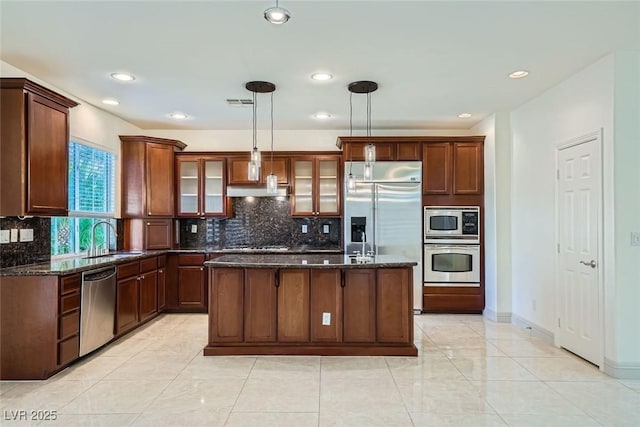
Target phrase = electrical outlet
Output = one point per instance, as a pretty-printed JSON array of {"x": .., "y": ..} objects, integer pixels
[
  {"x": 304, "y": 261},
  {"x": 305, "y": 228},
  {"x": 14, "y": 235},
  {"x": 194, "y": 228},
  {"x": 325, "y": 228},
  {"x": 635, "y": 238},
  {"x": 4, "y": 236},
  {"x": 326, "y": 261},
  {"x": 26, "y": 235},
  {"x": 326, "y": 319}
]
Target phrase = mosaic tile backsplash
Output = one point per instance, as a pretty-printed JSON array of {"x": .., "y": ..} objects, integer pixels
[
  {"x": 263, "y": 221},
  {"x": 21, "y": 253}
]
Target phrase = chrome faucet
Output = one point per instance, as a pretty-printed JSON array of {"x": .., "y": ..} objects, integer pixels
[
  {"x": 93, "y": 250},
  {"x": 364, "y": 244}
]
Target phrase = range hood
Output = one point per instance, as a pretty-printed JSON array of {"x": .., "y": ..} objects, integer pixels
[{"x": 233, "y": 191}]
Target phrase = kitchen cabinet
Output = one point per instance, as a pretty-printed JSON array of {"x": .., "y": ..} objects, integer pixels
[
  {"x": 226, "y": 305},
  {"x": 147, "y": 176},
  {"x": 453, "y": 168},
  {"x": 34, "y": 145},
  {"x": 162, "y": 283},
  {"x": 148, "y": 234},
  {"x": 192, "y": 282},
  {"x": 69, "y": 319},
  {"x": 393, "y": 288},
  {"x": 148, "y": 288},
  {"x": 359, "y": 307},
  {"x": 201, "y": 186},
  {"x": 293, "y": 305},
  {"x": 239, "y": 169},
  {"x": 326, "y": 306},
  {"x": 317, "y": 185},
  {"x": 388, "y": 148},
  {"x": 127, "y": 297},
  {"x": 260, "y": 303}
]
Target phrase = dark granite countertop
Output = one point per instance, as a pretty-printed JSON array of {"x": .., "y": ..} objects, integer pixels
[
  {"x": 267, "y": 250},
  {"x": 307, "y": 261}
]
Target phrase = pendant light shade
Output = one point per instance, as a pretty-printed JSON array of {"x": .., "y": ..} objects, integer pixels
[
  {"x": 367, "y": 171},
  {"x": 253, "y": 171},
  {"x": 367, "y": 87},
  {"x": 272, "y": 184},
  {"x": 370, "y": 153},
  {"x": 255, "y": 160},
  {"x": 351, "y": 183}
]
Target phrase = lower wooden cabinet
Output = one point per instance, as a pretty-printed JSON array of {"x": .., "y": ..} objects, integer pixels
[
  {"x": 393, "y": 308},
  {"x": 162, "y": 286},
  {"x": 136, "y": 293},
  {"x": 148, "y": 295},
  {"x": 359, "y": 307},
  {"x": 226, "y": 305},
  {"x": 127, "y": 304},
  {"x": 293, "y": 305},
  {"x": 326, "y": 306},
  {"x": 260, "y": 302}
]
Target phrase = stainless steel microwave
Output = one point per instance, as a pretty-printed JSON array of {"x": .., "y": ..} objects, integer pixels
[{"x": 452, "y": 224}]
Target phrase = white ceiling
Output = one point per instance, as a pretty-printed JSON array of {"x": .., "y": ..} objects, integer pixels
[{"x": 432, "y": 60}]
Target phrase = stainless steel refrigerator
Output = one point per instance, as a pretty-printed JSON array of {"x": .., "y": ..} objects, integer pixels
[{"x": 387, "y": 212}]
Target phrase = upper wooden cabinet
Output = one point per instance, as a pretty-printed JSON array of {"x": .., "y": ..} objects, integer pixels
[
  {"x": 317, "y": 184},
  {"x": 239, "y": 169},
  {"x": 147, "y": 176},
  {"x": 388, "y": 148},
  {"x": 453, "y": 167},
  {"x": 34, "y": 141},
  {"x": 200, "y": 187}
]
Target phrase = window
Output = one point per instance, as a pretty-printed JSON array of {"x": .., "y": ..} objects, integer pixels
[{"x": 91, "y": 199}]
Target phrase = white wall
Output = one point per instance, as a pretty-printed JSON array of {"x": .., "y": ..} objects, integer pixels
[
  {"x": 627, "y": 211},
  {"x": 575, "y": 107},
  {"x": 497, "y": 215}
]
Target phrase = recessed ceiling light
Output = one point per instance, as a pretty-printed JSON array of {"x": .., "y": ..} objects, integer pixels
[
  {"x": 123, "y": 77},
  {"x": 109, "y": 101},
  {"x": 464, "y": 115},
  {"x": 322, "y": 116},
  {"x": 321, "y": 77},
  {"x": 519, "y": 74},
  {"x": 178, "y": 116},
  {"x": 277, "y": 15}
]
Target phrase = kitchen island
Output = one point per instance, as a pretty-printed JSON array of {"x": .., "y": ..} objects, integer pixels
[{"x": 310, "y": 305}]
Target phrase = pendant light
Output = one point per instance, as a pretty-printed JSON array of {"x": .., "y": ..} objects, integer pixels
[
  {"x": 277, "y": 15},
  {"x": 351, "y": 178},
  {"x": 255, "y": 161},
  {"x": 367, "y": 87},
  {"x": 272, "y": 179}
]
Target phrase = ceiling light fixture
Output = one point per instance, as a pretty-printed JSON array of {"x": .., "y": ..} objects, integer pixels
[
  {"x": 322, "y": 116},
  {"x": 321, "y": 77},
  {"x": 123, "y": 77},
  {"x": 367, "y": 87},
  {"x": 110, "y": 101},
  {"x": 178, "y": 116},
  {"x": 464, "y": 115},
  {"x": 277, "y": 15},
  {"x": 255, "y": 160},
  {"x": 519, "y": 74}
]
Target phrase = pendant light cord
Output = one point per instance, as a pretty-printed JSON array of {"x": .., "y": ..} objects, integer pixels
[
  {"x": 369, "y": 116},
  {"x": 350, "y": 128},
  {"x": 255, "y": 121},
  {"x": 272, "y": 133}
]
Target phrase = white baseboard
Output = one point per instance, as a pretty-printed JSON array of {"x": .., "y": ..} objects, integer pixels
[
  {"x": 497, "y": 317},
  {"x": 626, "y": 371},
  {"x": 537, "y": 331}
]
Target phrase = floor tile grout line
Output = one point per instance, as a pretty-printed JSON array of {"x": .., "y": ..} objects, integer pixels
[
  {"x": 244, "y": 383},
  {"x": 395, "y": 383}
]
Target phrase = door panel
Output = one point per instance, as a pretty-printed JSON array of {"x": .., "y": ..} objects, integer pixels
[
  {"x": 293, "y": 306},
  {"x": 326, "y": 306},
  {"x": 359, "y": 306},
  {"x": 260, "y": 305},
  {"x": 579, "y": 198},
  {"x": 226, "y": 305}
]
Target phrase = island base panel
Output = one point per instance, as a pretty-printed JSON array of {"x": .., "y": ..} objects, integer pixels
[{"x": 315, "y": 350}]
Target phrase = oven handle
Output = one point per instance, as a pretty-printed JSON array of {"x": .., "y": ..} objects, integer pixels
[{"x": 474, "y": 248}]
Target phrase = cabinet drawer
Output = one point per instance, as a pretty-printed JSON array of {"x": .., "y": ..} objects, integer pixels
[
  {"x": 68, "y": 350},
  {"x": 69, "y": 324},
  {"x": 128, "y": 270},
  {"x": 69, "y": 302},
  {"x": 148, "y": 264},
  {"x": 69, "y": 284},
  {"x": 191, "y": 259}
]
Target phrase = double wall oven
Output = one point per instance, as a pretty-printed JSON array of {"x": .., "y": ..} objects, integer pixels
[{"x": 452, "y": 246}]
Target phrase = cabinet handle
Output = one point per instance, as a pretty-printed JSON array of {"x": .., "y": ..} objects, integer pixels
[
  {"x": 149, "y": 212},
  {"x": 141, "y": 277},
  {"x": 148, "y": 223},
  {"x": 201, "y": 268},
  {"x": 159, "y": 271}
]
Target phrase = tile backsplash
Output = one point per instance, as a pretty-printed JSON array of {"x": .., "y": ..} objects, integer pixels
[
  {"x": 21, "y": 253},
  {"x": 262, "y": 221}
]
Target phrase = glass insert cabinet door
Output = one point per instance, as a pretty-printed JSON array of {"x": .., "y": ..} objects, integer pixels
[
  {"x": 328, "y": 186},
  {"x": 316, "y": 186},
  {"x": 213, "y": 186},
  {"x": 303, "y": 202},
  {"x": 200, "y": 187},
  {"x": 188, "y": 202}
]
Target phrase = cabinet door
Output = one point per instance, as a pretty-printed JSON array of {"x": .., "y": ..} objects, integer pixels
[
  {"x": 226, "y": 305},
  {"x": 239, "y": 171},
  {"x": 293, "y": 306},
  {"x": 47, "y": 156},
  {"x": 127, "y": 304},
  {"x": 191, "y": 287},
  {"x": 408, "y": 151},
  {"x": 354, "y": 151},
  {"x": 188, "y": 187},
  {"x": 260, "y": 305},
  {"x": 468, "y": 168},
  {"x": 158, "y": 234},
  {"x": 326, "y": 306},
  {"x": 159, "y": 174},
  {"x": 162, "y": 289},
  {"x": 213, "y": 200},
  {"x": 328, "y": 187},
  {"x": 303, "y": 193},
  {"x": 148, "y": 295},
  {"x": 436, "y": 168},
  {"x": 394, "y": 305},
  {"x": 359, "y": 306}
]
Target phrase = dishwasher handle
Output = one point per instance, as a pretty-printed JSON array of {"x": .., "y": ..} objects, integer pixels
[{"x": 99, "y": 275}]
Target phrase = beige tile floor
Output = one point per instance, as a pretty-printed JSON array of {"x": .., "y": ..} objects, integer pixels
[{"x": 470, "y": 372}]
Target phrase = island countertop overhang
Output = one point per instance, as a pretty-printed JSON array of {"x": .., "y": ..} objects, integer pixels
[{"x": 308, "y": 261}]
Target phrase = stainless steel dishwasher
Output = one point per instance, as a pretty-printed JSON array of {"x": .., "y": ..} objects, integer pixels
[{"x": 97, "y": 308}]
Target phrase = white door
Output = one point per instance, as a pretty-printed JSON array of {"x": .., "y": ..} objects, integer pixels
[{"x": 579, "y": 221}]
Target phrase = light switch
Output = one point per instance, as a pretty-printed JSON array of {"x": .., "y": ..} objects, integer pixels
[
  {"x": 326, "y": 319},
  {"x": 26, "y": 235},
  {"x": 325, "y": 228},
  {"x": 4, "y": 236},
  {"x": 14, "y": 235},
  {"x": 304, "y": 228},
  {"x": 194, "y": 228}
]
